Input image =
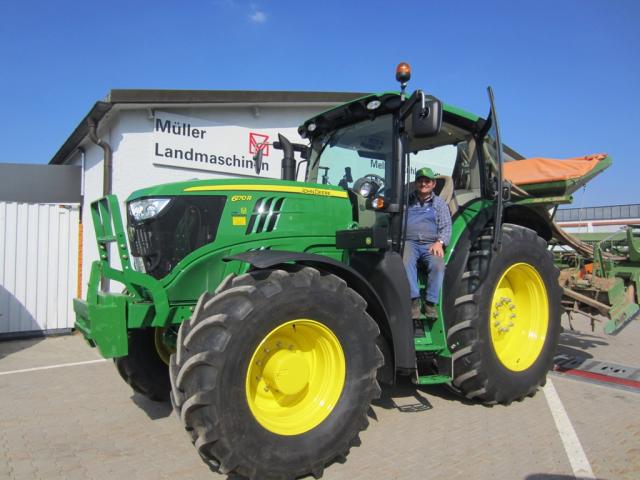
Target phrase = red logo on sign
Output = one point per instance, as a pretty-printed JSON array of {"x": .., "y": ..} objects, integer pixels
[{"x": 258, "y": 141}]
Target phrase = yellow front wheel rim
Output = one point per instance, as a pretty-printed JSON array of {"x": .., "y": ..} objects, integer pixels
[
  {"x": 519, "y": 317},
  {"x": 163, "y": 350},
  {"x": 295, "y": 377}
]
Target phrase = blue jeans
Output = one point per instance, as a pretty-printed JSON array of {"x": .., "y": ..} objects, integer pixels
[{"x": 415, "y": 252}]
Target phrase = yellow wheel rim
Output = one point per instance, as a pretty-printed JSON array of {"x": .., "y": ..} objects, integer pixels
[
  {"x": 519, "y": 317},
  {"x": 295, "y": 377},
  {"x": 163, "y": 350}
]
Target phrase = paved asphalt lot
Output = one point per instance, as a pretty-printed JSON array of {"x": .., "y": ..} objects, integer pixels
[{"x": 82, "y": 422}]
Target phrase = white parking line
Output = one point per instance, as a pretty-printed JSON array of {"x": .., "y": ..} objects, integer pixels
[
  {"x": 572, "y": 446},
  {"x": 49, "y": 367}
]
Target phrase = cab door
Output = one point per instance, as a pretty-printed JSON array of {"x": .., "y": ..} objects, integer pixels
[{"x": 494, "y": 184}]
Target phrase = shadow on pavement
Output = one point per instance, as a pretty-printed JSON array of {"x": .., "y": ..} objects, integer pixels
[
  {"x": 552, "y": 476},
  {"x": 403, "y": 396},
  {"x": 445, "y": 393},
  {"x": 406, "y": 397},
  {"x": 577, "y": 344},
  {"x": 10, "y": 346},
  {"x": 154, "y": 410}
]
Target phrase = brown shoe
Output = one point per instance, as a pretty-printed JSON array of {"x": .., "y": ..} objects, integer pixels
[
  {"x": 430, "y": 310},
  {"x": 415, "y": 308}
]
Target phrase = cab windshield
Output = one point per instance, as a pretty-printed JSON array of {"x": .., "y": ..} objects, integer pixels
[{"x": 365, "y": 149}]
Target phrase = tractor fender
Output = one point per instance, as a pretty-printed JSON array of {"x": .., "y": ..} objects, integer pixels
[
  {"x": 379, "y": 278},
  {"x": 530, "y": 218}
]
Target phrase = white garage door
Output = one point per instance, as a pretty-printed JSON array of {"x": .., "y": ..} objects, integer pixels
[{"x": 38, "y": 266}]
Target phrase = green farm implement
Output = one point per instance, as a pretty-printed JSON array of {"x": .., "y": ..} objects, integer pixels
[
  {"x": 600, "y": 276},
  {"x": 270, "y": 310}
]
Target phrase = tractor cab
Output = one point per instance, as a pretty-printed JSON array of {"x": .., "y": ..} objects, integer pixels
[
  {"x": 373, "y": 146},
  {"x": 362, "y": 158}
]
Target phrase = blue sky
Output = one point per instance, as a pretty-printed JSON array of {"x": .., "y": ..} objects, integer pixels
[{"x": 566, "y": 74}]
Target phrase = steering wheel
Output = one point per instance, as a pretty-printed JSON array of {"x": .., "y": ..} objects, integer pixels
[{"x": 368, "y": 185}]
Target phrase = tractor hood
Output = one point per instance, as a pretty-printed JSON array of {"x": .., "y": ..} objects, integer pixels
[{"x": 238, "y": 187}]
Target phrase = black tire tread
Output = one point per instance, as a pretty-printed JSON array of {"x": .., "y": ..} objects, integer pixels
[
  {"x": 471, "y": 379},
  {"x": 196, "y": 405},
  {"x": 142, "y": 368}
]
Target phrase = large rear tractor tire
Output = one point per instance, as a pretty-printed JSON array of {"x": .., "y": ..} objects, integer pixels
[
  {"x": 146, "y": 367},
  {"x": 274, "y": 374},
  {"x": 507, "y": 318}
]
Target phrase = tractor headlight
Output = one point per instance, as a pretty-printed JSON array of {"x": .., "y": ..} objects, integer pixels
[
  {"x": 147, "y": 208},
  {"x": 138, "y": 264}
]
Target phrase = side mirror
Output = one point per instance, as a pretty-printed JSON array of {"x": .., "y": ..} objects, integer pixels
[{"x": 426, "y": 117}]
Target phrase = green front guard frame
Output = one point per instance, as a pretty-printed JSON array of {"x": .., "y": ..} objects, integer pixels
[{"x": 104, "y": 317}]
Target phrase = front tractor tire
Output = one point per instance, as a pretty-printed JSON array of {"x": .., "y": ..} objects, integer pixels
[
  {"x": 507, "y": 318},
  {"x": 275, "y": 372},
  {"x": 146, "y": 367}
]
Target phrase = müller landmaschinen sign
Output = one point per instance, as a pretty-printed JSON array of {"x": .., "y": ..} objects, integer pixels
[{"x": 190, "y": 142}]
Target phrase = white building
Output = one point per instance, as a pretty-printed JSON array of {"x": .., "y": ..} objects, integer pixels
[
  {"x": 603, "y": 219},
  {"x": 160, "y": 136}
]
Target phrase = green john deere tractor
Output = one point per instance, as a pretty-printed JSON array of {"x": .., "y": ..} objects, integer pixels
[{"x": 269, "y": 310}]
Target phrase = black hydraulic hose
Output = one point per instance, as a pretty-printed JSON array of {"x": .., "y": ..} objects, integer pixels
[{"x": 108, "y": 156}]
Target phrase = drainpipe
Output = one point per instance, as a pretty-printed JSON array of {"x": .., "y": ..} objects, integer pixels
[
  {"x": 82, "y": 167},
  {"x": 106, "y": 178},
  {"x": 108, "y": 156},
  {"x": 80, "y": 225}
]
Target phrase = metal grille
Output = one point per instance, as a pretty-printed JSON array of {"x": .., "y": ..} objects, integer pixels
[
  {"x": 186, "y": 224},
  {"x": 265, "y": 215}
]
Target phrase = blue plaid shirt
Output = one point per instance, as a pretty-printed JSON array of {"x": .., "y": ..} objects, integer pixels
[{"x": 442, "y": 216}]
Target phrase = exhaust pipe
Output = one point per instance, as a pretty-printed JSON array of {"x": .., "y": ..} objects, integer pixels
[{"x": 288, "y": 159}]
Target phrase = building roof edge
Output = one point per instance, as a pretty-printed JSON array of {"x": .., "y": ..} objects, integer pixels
[{"x": 169, "y": 97}]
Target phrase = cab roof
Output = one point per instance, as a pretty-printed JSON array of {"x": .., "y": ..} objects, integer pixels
[{"x": 356, "y": 110}]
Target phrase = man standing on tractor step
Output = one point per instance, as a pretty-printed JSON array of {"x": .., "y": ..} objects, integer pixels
[{"x": 428, "y": 232}]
